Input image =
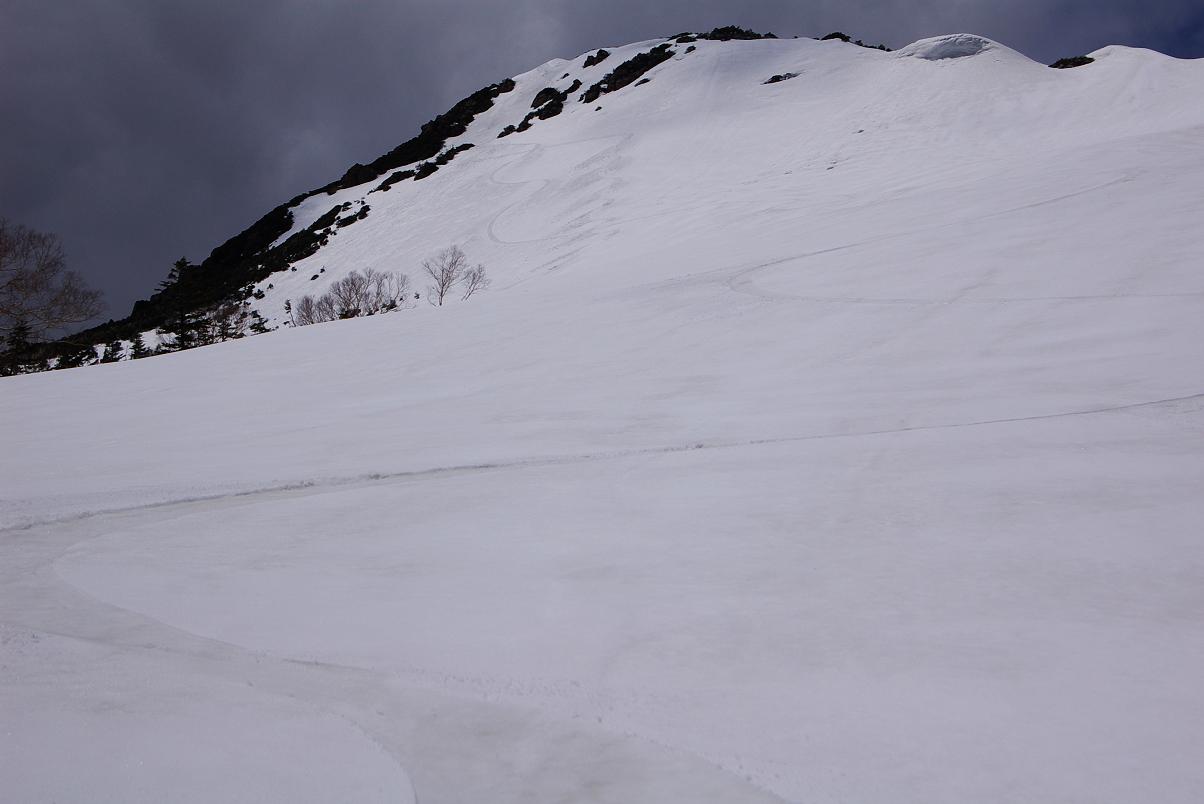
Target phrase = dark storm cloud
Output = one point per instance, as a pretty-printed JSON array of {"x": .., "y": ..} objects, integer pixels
[{"x": 143, "y": 130}]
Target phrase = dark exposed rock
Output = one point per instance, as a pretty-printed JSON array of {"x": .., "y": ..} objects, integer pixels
[
  {"x": 628, "y": 72},
  {"x": 844, "y": 37},
  {"x": 1073, "y": 61},
  {"x": 775, "y": 79},
  {"x": 550, "y": 109},
  {"x": 451, "y": 153},
  {"x": 543, "y": 96},
  {"x": 430, "y": 141},
  {"x": 725, "y": 34},
  {"x": 350, "y": 219},
  {"x": 730, "y": 32},
  {"x": 550, "y": 102},
  {"x": 427, "y": 168},
  {"x": 596, "y": 58},
  {"x": 400, "y": 175},
  {"x": 259, "y": 236},
  {"x": 327, "y": 219}
]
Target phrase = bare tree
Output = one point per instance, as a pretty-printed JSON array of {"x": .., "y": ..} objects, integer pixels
[
  {"x": 474, "y": 279},
  {"x": 325, "y": 309},
  {"x": 310, "y": 310},
  {"x": 445, "y": 270},
  {"x": 350, "y": 295},
  {"x": 355, "y": 294},
  {"x": 36, "y": 289},
  {"x": 303, "y": 312},
  {"x": 368, "y": 293},
  {"x": 387, "y": 290}
]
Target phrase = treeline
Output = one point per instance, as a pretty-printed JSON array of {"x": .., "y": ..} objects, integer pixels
[
  {"x": 224, "y": 322},
  {"x": 358, "y": 293}
]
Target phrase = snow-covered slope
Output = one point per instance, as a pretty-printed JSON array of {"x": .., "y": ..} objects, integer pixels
[
  {"x": 833, "y": 439},
  {"x": 703, "y": 148}
]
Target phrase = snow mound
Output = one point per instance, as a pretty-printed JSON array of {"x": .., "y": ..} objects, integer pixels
[
  {"x": 950, "y": 46},
  {"x": 1126, "y": 51}
]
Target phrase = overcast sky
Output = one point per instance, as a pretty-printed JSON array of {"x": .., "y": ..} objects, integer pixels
[{"x": 145, "y": 130}]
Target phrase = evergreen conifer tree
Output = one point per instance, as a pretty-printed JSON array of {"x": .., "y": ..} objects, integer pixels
[
  {"x": 186, "y": 330},
  {"x": 138, "y": 348},
  {"x": 178, "y": 268},
  {"x": 78, "y": 356},
  {"x": 17, "y": 348},
  {"x": 113, "y": 352}
]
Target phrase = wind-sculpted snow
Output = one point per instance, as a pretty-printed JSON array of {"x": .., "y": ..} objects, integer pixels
[
  {"x": 955, "y": 46},
  {"x": 837, "y": 439}
]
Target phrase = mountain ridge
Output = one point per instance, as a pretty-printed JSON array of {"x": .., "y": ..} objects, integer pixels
[
  {"x": 257, "y": 252},
  {"x": 240, "y": 270}
]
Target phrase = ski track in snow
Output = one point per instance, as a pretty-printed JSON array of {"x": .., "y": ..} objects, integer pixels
[
  {"x": 320, "y": 484},
  {"x": 492, "y": 226},
  {"x": 356, "y": 694},
  {"x": 740, "y": 280},
  {"x": 407, "y": 718},
  {"x": 533, "y": 153}
]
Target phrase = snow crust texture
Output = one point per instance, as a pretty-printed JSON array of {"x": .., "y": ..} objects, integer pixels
[
  {"x": 834, "y": 439},
  {"x": 954, "y": 46}
]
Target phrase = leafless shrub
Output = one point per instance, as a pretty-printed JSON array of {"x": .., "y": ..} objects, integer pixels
[
  {"x": 372, "y": 291},
  {"x": 356, "y": 294},
  {"x": 445, "y": 270},
  {"x": 304, "y": 312},
  {"x": 36, "y": 289},
  {"x": 349, "y": 295},
  {"x": 474, "y": 279},
  {"x": 325, "y": 309},
  {"x": 386, "y": 290}
]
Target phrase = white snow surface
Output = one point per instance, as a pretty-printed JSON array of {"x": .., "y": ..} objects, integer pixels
[
  {"x": 955, "y": 46},
  {"x": 834, "y": 440}
]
